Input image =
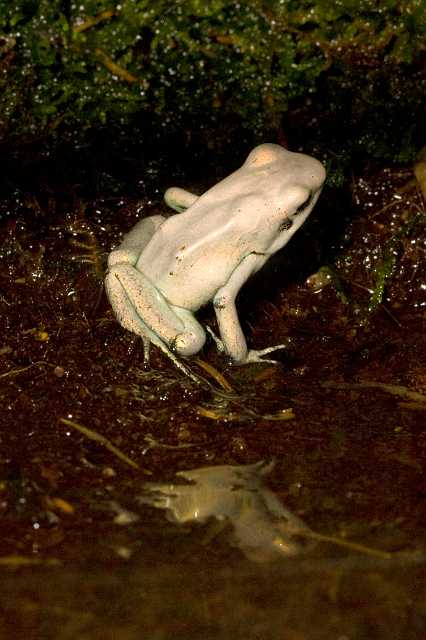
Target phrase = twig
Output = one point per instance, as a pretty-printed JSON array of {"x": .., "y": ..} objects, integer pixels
[
  {"x": 16, "y": 561},
  {"x": 92, "y": 21},
  {"x": 215, "y": 374},
  {"x": 15, "y": 372},
  {"x": 116, "y": 69},
  {"x": 99, "y": 438},
  {"x": 394, "y": 389},
  {"x": 347, "y": 544}
]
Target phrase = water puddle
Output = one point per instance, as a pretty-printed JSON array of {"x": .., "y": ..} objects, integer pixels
[{"x": 262, "y": 527}]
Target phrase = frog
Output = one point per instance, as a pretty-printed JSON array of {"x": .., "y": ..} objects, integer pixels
[{"x": 168, "y": 267}]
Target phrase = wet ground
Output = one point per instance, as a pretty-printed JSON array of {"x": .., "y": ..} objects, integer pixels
[{"x": 84, "y": 427}]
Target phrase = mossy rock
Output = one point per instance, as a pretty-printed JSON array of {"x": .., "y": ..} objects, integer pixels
[{"x": 215, "y": 69}]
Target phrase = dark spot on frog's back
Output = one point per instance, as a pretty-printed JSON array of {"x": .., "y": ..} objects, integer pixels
[{"x": 285, "y": 225}]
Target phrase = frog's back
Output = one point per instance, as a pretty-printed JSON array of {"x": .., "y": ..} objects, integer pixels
[
  {"x": 194, "y": 253},
  {"x": 187, "y": 263},
  {"x": 215, "y": 223}
]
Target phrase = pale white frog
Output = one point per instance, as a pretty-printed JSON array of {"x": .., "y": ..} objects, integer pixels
[{"x": 167, "y": 268}]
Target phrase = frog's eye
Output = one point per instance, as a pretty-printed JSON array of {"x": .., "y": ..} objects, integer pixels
[
  {"x": 285, "y": 225},
  {"x": 304, "y": 204}
]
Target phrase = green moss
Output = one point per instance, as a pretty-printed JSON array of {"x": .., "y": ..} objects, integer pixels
[
  {"x": 390, "y": 255},
  {"x": 70, "y": 67}
]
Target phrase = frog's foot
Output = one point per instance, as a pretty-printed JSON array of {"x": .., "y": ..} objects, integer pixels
[
  {"x": 149, "y": 337},
  {"x": 218, "y": 342},
  {"x": 256, "y": 355},
  {"x": 253, "y": 355}
]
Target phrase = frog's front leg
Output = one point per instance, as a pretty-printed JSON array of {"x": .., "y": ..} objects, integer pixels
[{"x": 234, "y": 342}]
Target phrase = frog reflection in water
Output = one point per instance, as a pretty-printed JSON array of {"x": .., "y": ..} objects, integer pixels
[
  {"x": 167, "y": 268},
  {"x": 236, "y": 495}
]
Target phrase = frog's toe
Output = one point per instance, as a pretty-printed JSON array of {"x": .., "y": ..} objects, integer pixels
[
  {"x": 218, "y": 342},
  {"x": 256, "y": 355},
  {"x": 146, "y": 349}
]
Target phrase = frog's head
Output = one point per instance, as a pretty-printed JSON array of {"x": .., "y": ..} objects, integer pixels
[
  {"x": 301, "y": 181},
  {"x": 265, "y": 154},
  {"x": 293, "y": 164},
  {"x": 297, "y": 205}
]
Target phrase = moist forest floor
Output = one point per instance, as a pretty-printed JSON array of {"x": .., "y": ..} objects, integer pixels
[{"x": 341, "y": 414}]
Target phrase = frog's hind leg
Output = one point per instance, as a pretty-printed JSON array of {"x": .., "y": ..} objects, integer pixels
[
  {"x": 192, "y": 339},
  {"x": 148, "y": 337},
  {"x": 161, "y": 324},
  {"x": 135, "y": 241}
]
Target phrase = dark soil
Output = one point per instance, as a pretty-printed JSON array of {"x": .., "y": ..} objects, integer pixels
[{"x": 349, "y": 463}]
